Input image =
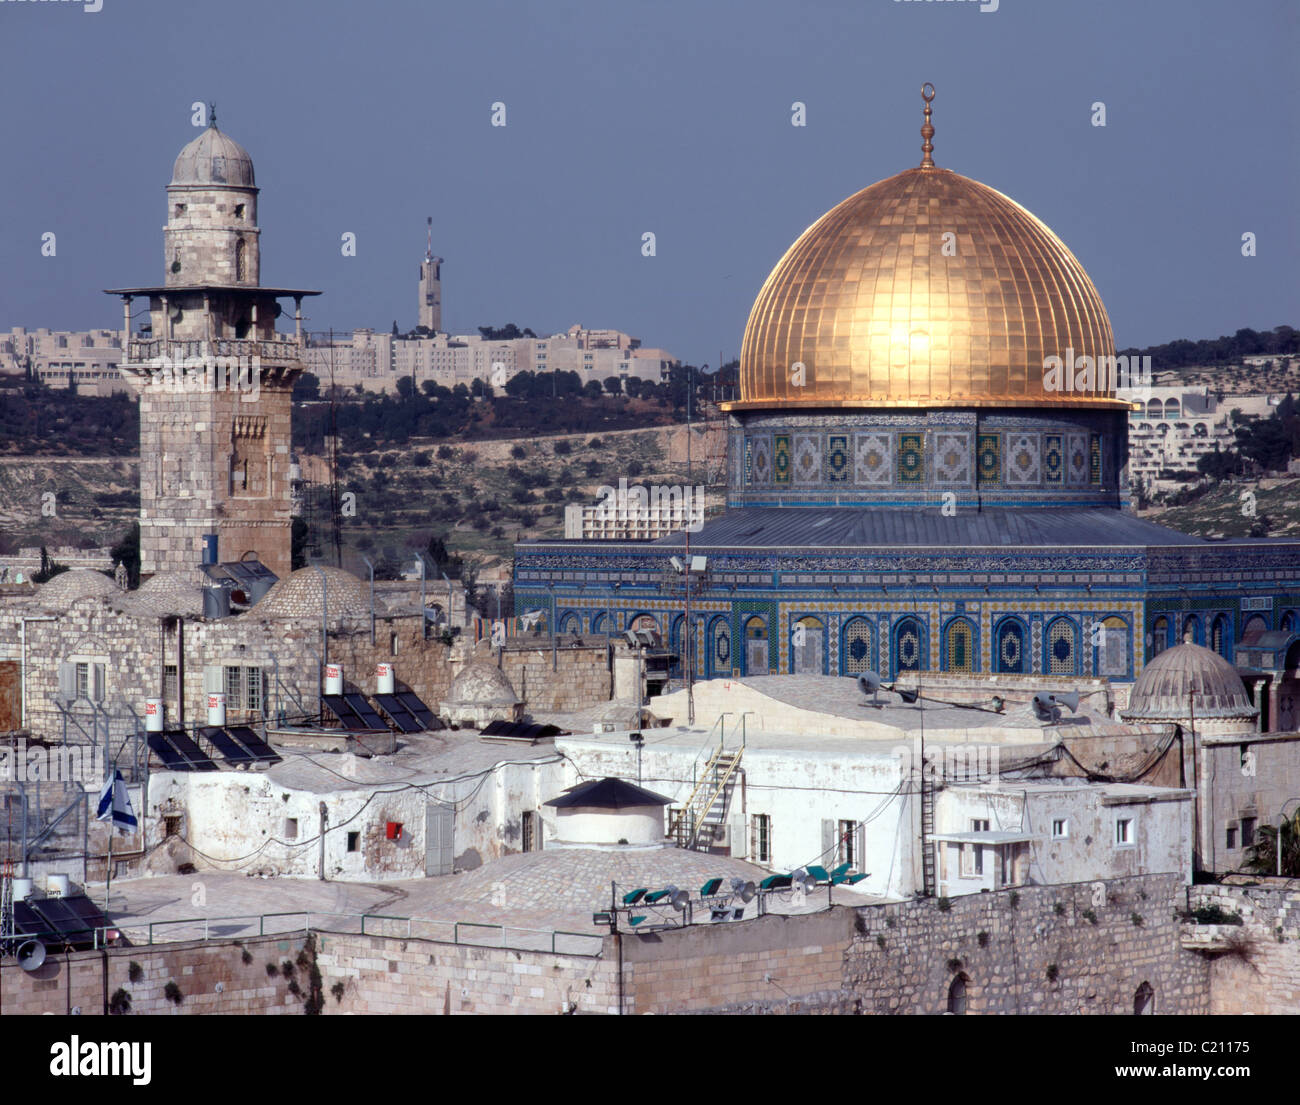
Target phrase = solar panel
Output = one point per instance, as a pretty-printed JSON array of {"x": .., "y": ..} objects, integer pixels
[
  {"x": 261, "y": 751},
  {"x": 422, "y": 713},
  {"x": 72, "y": 920},
  {"x": 26, "y": 923},
  {"x": 59, "y": 917},
  {"x": 366, "y": 712},
  {"x": 519, "y": 730},
  {"x": 87, "y": 911},
  {"x": 406, "y": 721},
  {"x": 233, "y": 752},
  {"x": 338, "y": 706},
  {"x": 182, "y": 742},
  {"x": 172, "y": 760}
]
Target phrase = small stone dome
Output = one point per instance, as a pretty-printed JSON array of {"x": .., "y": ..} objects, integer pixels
[
  {"x": 480, "y": 694},
  {"x": 214, "y": 158},
  {"x": 79, "y": 583},
  {"x": 1188, "y": 672},
  {"x": 298, "y": 595},
  {"x": 481, "y": 683},
  {"x": 166, "y": 593}
]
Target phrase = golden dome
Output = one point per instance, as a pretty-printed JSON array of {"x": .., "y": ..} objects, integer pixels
[{"x": 924, "y": 290}]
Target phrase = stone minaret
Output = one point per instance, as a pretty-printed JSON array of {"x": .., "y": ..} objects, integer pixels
[
  {"x": 431, "y": 287},
  {"x": 213, "y": 376}
]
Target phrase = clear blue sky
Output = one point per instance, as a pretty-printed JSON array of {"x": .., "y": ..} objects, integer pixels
[{"x": 671, "y": 117}]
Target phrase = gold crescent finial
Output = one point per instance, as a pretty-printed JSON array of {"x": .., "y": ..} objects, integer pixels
[{"x": 927, "y": 130}]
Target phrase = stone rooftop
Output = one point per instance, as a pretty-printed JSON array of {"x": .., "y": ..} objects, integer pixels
[{"x": 553, "y": 889}]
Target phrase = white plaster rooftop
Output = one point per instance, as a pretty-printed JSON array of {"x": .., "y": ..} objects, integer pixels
[
  {"x": 837, "y": 700},
  {"x": 421, "y": 757}
]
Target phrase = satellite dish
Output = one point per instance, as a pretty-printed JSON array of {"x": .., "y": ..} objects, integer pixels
[
  {"x": 806, "y": 881},
  {"x": 678, "y": 899},
  {"x": 31, "y": 955},
  {"x": 743, "y": 890}
]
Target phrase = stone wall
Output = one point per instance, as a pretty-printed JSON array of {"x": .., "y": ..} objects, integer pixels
[
  {"x": 213, "y": 978},
  {"x": 902, "y": 958},
  {"x": 583, "y": 678},
  {"x": 384, "y": 975},
  {"x": 1254, "y": 967}
]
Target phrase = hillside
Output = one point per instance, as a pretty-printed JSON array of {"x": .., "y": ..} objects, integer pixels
[{"x": 1218, "y": 513}]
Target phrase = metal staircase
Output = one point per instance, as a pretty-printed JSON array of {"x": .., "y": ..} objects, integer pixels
[
  {"x": 701, "y": 823},
  {"x": 927, "y": 834}
]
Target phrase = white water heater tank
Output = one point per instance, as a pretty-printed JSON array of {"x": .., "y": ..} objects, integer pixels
[{"x": 217, "y": 709}]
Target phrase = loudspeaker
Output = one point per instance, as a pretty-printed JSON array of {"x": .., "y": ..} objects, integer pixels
[{"x": 31, "y": 954}]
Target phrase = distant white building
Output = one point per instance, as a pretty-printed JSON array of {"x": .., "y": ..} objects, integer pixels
[
  {"x": 86, "y": 359},
  {"x": 1175, "y": 426},
  {"x": 377, "y": 361}
]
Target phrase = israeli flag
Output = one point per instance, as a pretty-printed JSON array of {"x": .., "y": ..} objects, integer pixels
[{"x": 115, "y": 803}]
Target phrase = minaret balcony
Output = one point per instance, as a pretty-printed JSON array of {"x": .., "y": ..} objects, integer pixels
[{"x": 144, "y": 351}]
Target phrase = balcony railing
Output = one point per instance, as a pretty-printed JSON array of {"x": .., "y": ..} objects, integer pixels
[{"x": 141, "y": 351}]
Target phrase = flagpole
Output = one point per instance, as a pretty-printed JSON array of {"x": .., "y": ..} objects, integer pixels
[{"x": 108, "y": 878}]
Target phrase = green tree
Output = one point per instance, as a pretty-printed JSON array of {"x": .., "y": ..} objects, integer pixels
[{"x": 1261, "y": 857}]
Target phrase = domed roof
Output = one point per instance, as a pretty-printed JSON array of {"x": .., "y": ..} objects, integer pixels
[
  {"x": 164, "y": 593},
  {"x": 883, "y": 309},
  {"x": 214, "y": 158},
  {"x": 298, "y": 595},
  {"x": 1188, "y": 671},
  {"x": 481, "y": 683},
  {"x": 67, "y": 587}
]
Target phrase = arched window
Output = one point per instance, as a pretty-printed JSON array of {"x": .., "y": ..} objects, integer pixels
[
  {"x": 677, "y": 642},
  {"x": 1012, "y": 656},
  {"x": 959, "y": 646},
  {"x": 1256, "y": 626},
  {"x": 1171, "y": 408},
  {"x": 1062, "y": 647},
  {"x": 598, "y": 623},
  {"x": 1154, "y": 409},
  {"x": 1221, "y": 636},
  {"x": 858, "y": 652},
  {"x": 1113, "y": 647},
  {"x": 756, "y": 647},
  {"x": 1287, "y": 625},
  {"x": 909, "y": 646},
  {"x": 720, "y": 647},
  {"x": 241, "y": 262},
  {"x": 808, "y": 647},
  {"x": 569, "y": 622},
  {"x": 957, "y": 995},
  {"x": 1192, "y": 630},
  {"x": 1144, "y": 1001},
  {"x": 645, "y": 621},
  {"x": 1159, "y": 635}
]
